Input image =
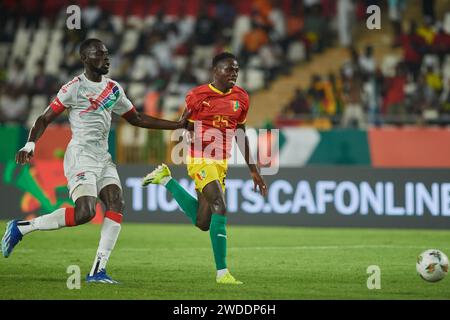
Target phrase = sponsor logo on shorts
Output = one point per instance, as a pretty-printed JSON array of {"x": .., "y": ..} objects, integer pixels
[{"x": 81, "y": 176}]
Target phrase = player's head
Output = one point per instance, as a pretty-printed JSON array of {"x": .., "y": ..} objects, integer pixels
[
  {"x": 94, "y": 56},
  {"x": 225, "y": 69}
]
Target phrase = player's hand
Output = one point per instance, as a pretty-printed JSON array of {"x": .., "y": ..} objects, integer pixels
[
  {"x": 183, "y": 122},
  {"x": 259, "y": 182},
  {"x": 25, "y": 154}
]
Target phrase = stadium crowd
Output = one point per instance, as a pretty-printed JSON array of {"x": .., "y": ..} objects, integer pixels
[
  {"x": 414, "y": 89},
  {"x": 160, "y": 49}
]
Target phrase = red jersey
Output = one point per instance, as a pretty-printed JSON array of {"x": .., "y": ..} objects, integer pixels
[{"x": 215, "y": 115}]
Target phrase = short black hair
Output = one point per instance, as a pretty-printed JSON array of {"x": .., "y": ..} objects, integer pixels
[
  {"x": 87, "y": 43},
  {"x": 222, "y": 56}
]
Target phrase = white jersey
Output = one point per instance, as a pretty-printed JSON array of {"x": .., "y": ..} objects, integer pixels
[{"x": 90, "y": 105}]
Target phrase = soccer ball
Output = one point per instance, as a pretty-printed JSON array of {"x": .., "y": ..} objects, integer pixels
[{"x": 432, "y": 265}]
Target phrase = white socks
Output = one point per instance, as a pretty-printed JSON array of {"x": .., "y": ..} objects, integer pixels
[
  {"x": 51, "y": 221},
  {"x": 109, "y": 234},
  {"x": 221, "y": 272},
  {"x": 165, "y": 180}
]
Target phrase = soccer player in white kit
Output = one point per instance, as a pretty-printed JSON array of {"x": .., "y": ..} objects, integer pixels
[{"x": 90, "y": 99}]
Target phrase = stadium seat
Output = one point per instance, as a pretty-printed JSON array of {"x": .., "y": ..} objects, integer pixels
[
  {"x": 447, "y": 22},
  {"x": 172, "y": 104},
  {"x": 389, "y": 64},
  {"x": 431, "y": 60},
  {"x": 241, "y": 26},
  {"x": 254, "y": 80},
  {"x": 296, "y": 52},
  {"x": 136, "y": 92},
  {"x": 38, "y": 104},
  {"x": 144, "y": 66},
  {"x": 21, "y": 43},
  {"x": 4, "y": 53},
  {"x": 131, "y": 141},
  {"x": 130, "y": 40}
]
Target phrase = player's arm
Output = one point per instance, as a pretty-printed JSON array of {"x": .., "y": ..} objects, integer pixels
[
  {"x": 144, "y": 121},
  {"x": 244, "y": 147},
  {"x": 25, "y": 154}
]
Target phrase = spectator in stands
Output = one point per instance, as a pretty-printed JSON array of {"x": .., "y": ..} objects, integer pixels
[
  {"x": 441, "y": 43},
  {"x": 433, "y": 83},
  {"x": 353, "y": 115},
  {"x": 427, "y": 33},
  {"x": 43, "y": 83},
  {"x": 316, "y": 95},
  {"x": 271, "y": 60},
  {"x": 351, "y": 67},
  {"x": 161, "y": 50},
  {"x": 413, "y": 48},
  {"x": 294, "y": 31},
  {"x": 371, "y": 98},
  {"x": 71, "y": 63},
  {"x": 13, "y": 105},
  {"x": 106, "y": 32},
  {"x": 17, "y": 76},
  {"x": 205, "y": 33},
  {"x": 316, "y": 28},
  {"x": 394, "y": 97},
  {"x": 253, "y": 41},
  {"x": 160, "y": 26},
  {"x": 428, "y": 10},
  {"x": 299, "y": 105},
  {"x": 278, "y": 22},
  {"x": 445, "y": 99},
  {"x": 345, "y": 13},
  {"x": 367, "y": 63},
  {"x": 396, "y": 9},
  {"x": 225, "y": 14},
  {"x": 336, "y": 86},
  {"x": 90, "y": 14},
  {"x": 187, "y": 77}
]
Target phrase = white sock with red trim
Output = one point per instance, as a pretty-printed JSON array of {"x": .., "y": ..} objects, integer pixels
[
  {"x": 62, "y": 217},
  {"x": 109, "y": 234}
]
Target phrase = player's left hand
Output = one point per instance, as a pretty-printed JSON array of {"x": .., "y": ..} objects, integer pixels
[{"x": 259, "y": 181}]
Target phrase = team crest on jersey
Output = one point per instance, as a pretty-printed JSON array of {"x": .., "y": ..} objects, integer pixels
[
  {"x": 234, "y": 105},
  {"x": 105, "y": 100},
  {"x": 201, "y": 175}
]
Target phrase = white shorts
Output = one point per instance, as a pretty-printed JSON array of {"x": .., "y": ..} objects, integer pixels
[{"x": 88, "y": 173}]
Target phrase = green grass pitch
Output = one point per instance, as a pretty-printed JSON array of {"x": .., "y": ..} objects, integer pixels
[{"x": 154, "y": 261}]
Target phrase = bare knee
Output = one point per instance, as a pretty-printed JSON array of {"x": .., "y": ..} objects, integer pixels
[
  {"x": 202, "y": 225},
  {"x": 117, "y": 204},
  {"x": 218, "y": 206},
  {"x": 84, "y": 213}
]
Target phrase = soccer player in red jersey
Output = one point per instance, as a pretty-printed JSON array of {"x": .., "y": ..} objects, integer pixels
[{"x": 217, "y": 110}]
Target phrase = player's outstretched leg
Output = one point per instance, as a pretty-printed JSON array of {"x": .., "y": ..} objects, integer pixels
[
  {"x": 16, "y": 229},
  {"x": 161, "y": 175},
  {"x": 11, "y": 237},
  {"x": 83, "y": 212}
]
